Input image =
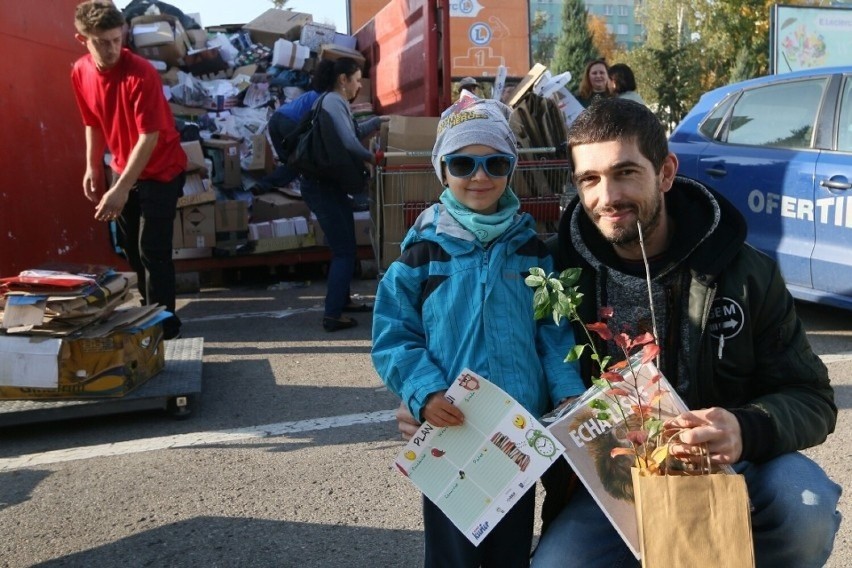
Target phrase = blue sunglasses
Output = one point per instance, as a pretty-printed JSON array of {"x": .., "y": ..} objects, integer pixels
[{"x": 465, "y": 165}]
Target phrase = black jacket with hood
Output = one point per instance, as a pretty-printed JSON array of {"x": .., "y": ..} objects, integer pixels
[{"x": 730, "y": 336}]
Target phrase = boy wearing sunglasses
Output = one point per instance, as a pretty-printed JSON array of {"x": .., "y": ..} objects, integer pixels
[{"x": 456, "y": 298}]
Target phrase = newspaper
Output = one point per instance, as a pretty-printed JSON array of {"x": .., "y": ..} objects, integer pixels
[
  {"x": 588, "y": 441},
  {"x": 476, "y": 472}
]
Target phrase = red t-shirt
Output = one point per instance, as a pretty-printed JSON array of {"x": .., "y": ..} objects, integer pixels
[{"x": 123, "y": 102}]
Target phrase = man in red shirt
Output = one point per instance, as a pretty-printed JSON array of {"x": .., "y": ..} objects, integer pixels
[{"x": 121, "y": 101}]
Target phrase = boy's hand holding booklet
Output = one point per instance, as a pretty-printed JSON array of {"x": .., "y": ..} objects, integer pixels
[{"x": 477, "y": 471}]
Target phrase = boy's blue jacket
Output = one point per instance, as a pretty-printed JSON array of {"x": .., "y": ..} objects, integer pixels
[{"x": 449, "y": 303}]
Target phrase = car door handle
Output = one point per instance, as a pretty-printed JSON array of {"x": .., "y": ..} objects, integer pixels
[
  {"x": 831, "y": 184},
  {"x": 717, "y": 171}
]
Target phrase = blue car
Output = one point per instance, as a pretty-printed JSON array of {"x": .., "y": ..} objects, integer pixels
[{"x": 780, "y": 149}]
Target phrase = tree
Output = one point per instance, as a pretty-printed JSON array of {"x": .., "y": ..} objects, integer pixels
[
  {"x": 543, "y": 44},
  {"x": 602, "y": 38},
  {"x": 676, "y": 90},
  {"x": 574, "y": 47}
]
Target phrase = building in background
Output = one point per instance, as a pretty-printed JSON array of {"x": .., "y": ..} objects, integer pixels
[{"x": 620, "y": 17}]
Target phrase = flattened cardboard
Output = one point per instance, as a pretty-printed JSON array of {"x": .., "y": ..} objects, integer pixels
[{"x": 274, "y": 24}]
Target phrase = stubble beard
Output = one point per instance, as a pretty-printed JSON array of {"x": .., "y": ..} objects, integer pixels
[{"x": 626, "y": 236}]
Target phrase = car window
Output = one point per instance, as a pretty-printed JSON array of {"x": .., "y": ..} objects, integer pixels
[
  {"x": 777, "y": 115},
  {"x": 844, "y": 135},
  {"x": 711, "y": 124}
]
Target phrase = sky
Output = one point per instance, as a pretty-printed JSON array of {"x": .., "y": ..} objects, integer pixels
[{"x": 214, "y": 12}]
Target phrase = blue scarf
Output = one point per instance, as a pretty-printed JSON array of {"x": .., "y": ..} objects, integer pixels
[{"x": 486, "y": 228}]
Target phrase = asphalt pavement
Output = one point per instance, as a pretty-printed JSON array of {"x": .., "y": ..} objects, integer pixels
[{"x": 285, "y": 460}]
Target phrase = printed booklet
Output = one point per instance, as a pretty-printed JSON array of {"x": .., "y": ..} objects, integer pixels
[
  {"x": 477, "y": 471},
  {"x": 588, "y": 441}
]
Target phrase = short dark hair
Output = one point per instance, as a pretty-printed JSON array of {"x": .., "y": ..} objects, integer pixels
[
  {"x": 329, "y": 70},
  {"x": 622, "y": 75},
  {"x": 609, "y": 119},
  {"x": 95, "y": 16}
]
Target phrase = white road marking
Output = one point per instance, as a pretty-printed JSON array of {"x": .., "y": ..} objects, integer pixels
[
  {"x": 193, "y": 439},
  {"x": 836, "y": 357},
  {"x": 278, "y": 314}
]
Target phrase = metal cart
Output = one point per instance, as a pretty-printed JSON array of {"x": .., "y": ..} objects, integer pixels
[
  {"x": 401, "y": 192},
  {"x": 175, "y": 389}
]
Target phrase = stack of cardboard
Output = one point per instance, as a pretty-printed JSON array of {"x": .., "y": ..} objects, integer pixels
[
  {"x": 64, "y": 334},
  {"x": 226, "y": 81}
]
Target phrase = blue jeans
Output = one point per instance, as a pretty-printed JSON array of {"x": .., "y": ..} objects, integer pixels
[
  {"x": 145, "y": 229},
  {"x": 334, "y": 214},
  {"x": 794, "y": 521},
  {"x": 506, "y": 546}
]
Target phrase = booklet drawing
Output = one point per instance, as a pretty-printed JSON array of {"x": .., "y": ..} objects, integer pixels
[
  {"x": 588, "y": 441},
  {"x": 477, "y": 471}
]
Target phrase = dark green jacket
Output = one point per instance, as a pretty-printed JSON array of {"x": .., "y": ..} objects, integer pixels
[{"x": 767, "y": 374}]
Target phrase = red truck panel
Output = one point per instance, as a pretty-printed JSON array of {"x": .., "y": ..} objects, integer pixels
[
  {"x": 403, "y": 45},
  {"x": 44, "y": 216}
]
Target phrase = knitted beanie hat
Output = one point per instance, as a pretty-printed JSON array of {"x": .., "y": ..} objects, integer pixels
[{"x": 472, "y": 120}]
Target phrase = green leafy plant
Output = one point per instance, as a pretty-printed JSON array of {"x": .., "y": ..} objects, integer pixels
[{"x": 637, "y": 405}]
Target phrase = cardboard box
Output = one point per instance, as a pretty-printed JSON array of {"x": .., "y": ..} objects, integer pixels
[
  {"x": 153, "y": 33},
  {"x": 262, "y": 246},
  {"x": 333, "y": 52},
  {"x": 275, "y": 205},
  {"x": 194, "y": 155},
  {"x": 363, "y": 229},
  {"x": 315, "y": 34},
  {"x": 344, "y": 40},
  {"x": 171, "y": 52},
  {"x": 182, "y": 253},
  {"x": 274, "y": 24},
  {"x": 410, "y": 134},
  {"x": 231, "y": 215},
  {"x": 225, "y": 155},
  {"x": 199, "y": 228},
  {"x": 88, "y": 367},
  {"x": 259, "y": 154},
  {"x": 208, "y": 196},
  {"x": 291, "y": 55}
]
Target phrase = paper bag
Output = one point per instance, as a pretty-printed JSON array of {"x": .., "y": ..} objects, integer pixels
[{"x": 693, "y": 520}]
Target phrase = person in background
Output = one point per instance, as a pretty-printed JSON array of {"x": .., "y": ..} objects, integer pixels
[
  {"x": 339, "y": 81},
  {"x": 470, "y": 85},
  {"x": 595, "y": 83},
  {"x": 283, "y": 121},
  {"x": 623, "y": 83},
  {"x": 456, "y": 298},
  {"x": 758, "y": 392},
  {"x": 121, "y": 101}
]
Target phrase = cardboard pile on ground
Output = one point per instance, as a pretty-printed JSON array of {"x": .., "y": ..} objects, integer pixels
[
  {"x": 224, "y": 82},
  {"x": 63, "y": 334},
  {"x": 58, "y": 300}
]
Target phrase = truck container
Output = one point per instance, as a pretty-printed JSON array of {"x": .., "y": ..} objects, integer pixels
[{"x": 44, "y": 216}]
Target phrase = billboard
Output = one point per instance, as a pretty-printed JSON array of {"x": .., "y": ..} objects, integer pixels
[
  {"x": 485, "y": 34},
  {"x": 803, "y": 37}
]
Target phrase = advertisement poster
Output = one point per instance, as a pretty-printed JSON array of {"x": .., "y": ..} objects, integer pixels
[
  {"x": 485, "y": 34},
  {"x": 806, "y": 37},
  {"x": 476, "y": 472}
]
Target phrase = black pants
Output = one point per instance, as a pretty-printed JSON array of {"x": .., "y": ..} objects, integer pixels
[
  {"x": 145, "y": 232},
  {"x": 506, "y": 546}
]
